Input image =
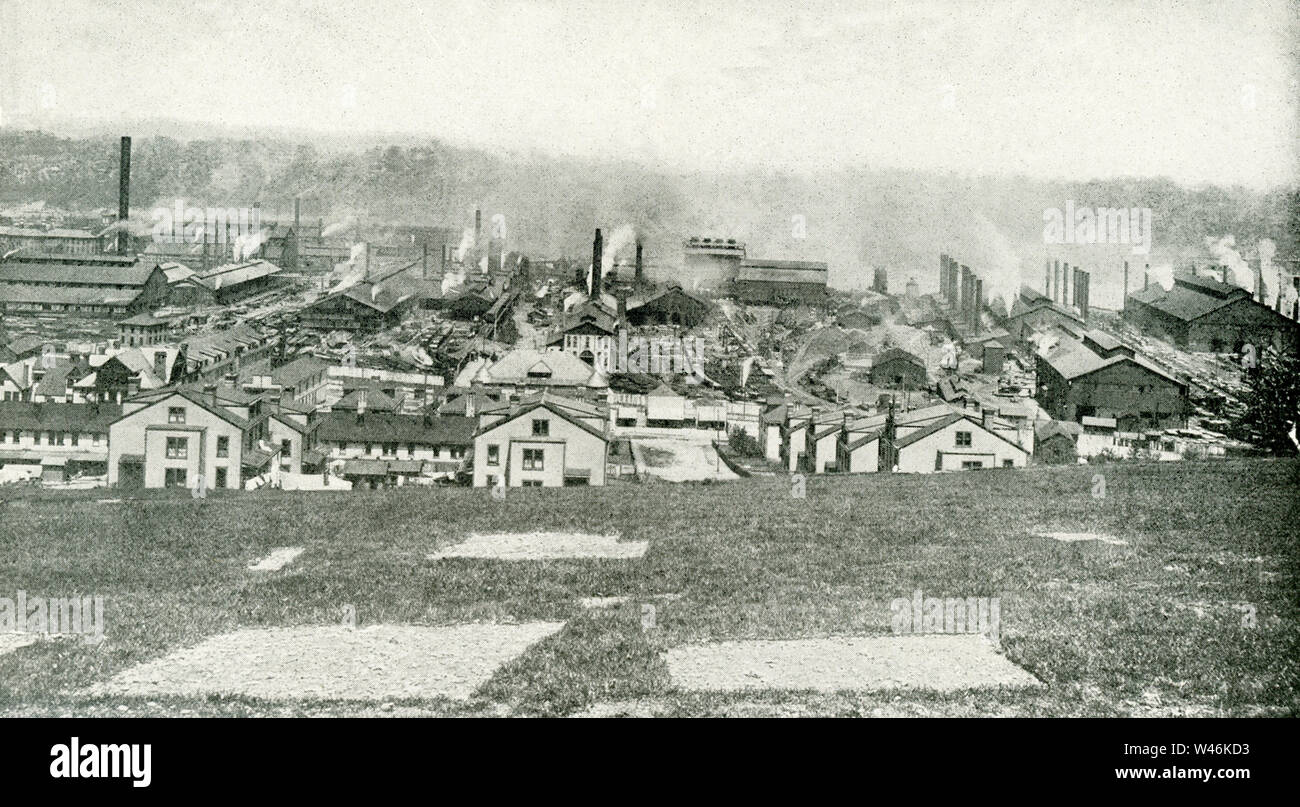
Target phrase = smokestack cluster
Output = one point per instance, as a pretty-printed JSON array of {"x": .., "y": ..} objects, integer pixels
[
  {"x": 948, "y": 280},
  {"x": 597, "y": 247},
  {"x": 124, "y": 197}
]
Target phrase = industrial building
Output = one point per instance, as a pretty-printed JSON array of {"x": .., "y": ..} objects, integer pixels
[
  {"x": 97, "y": 285},
  {"x": 1098, "y": 376},
  {"x": 1203, "y": 314},
  {"x": 776, "y": 282},
  {"x": 895, "y": 368}
]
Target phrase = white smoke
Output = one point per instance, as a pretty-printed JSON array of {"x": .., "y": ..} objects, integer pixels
[
  {"x": 338, "y": 226},
  {"x": 1225, "y": 252},
  {"x": 466, "y": 243},
  {"x": 1162, "y": 274},
  {"x": 453, "y": 279},
  {"x": 619, "y": 240},
  {"x": 1001, "y": 266}
]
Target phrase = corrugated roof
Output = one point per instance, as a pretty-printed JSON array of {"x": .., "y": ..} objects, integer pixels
[
  {"x": 65, "y": 295},
  {"x": 48, "y": 416}
]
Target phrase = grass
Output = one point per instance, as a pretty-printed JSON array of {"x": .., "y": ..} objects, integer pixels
[{"x": 1152, "y": 628}]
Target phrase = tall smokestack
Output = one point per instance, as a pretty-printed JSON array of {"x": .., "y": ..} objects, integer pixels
[
  {"x": 1146, "y": 277},
  {"x": 478, "y": 226},
  {"x": 977, "y": 303},
  {"x": 963, "y": 298},
  {"x": 1084, "y": 302},
  {"x": 1259, "y": 280},
  {"x": 597, "y": 247},
  {"x": 124, "y": 196},
  {"x": 1065, "y": 283},
  {"x": 297, "y": 216},
  {"x": 1047, "y": 279},
  {"x": 1056, "y": 281},
  {"x": 640, "y": 270},
  {"x": 1225, "y": 273}
]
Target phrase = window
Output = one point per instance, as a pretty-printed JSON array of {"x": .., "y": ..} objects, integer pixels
[
  {"x": 458, "y": 453},
  {"x": 532, "y": 483},
  {"x": 286, "y": 449},
  {"x": 390, "y": 449},
  {"x": 18, "y": 435},
  {"x": 175, "y": 414},
  {"x": 963, "y": 439},
  {"x": 178, "y": 448},
  {"x": 76, "y": 436},
  {"x": 494, "y": 455},
  {"x": 410, "y": 449},
  {"x": 533, "y": 459},
  {"x": 491, "y": 481},
  {"x": 174, "y": 477},
  {"x": 221, "y": 478},
  {"x": 541, "y": 428},
  {"x": 370, "y": 447},
  {"x": 223, "y": 446},
  {"x": 1008, "y": 463},
  {"x": 971, "y": 465}
]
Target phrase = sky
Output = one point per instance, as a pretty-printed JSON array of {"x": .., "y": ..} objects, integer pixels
[{"x": 1202, "y": 92}]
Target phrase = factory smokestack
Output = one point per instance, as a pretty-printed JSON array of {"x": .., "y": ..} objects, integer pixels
[
  {"x": 640, "y": 270},
  {"x": 1047, "y": 280},
  {"x": 124, "y": 196},
  {"x": 1056, "y": 281},
  {"x": 478, "y": 226},
  {"x": 1259, "y": 280},
  {"x": 297, "y": 216},
  {"x": 597, "y": 246}
]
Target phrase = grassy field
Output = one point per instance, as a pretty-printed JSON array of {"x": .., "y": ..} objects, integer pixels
[{"x": 1153, "y": 628}]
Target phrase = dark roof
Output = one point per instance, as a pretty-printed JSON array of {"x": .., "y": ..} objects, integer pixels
[
  {"x": 944, "y": 423},
  {"x": 387, "y": 427},
  {"x": 77, "y": 274},
  {"x": 896, "y": 353},
  {"x": 1191, "y": 297},
  {"x": 1051, "y": 428},
  {"x": 78, "y": 417}
]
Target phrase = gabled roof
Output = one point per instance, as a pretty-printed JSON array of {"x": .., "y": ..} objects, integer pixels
[
  {"x": 1074, "y": 359},
  {"x": 50, "y": 416},
  {"x": 943, "y": 423},
  {"x": 1051, "y": 428},
  {"x": 894, "y": 353},
  {"x": 196, "y": 397},
  {"x": 542, "y": 402},
  {"x": 565, "y": 369}
]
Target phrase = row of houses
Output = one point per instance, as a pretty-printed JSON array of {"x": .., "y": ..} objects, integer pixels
[{"x": 940, "y": 437}]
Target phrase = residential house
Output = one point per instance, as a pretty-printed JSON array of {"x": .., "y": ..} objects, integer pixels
[
  {"x": 542, "y": 441},
  {"x": 65, "y": 439}
]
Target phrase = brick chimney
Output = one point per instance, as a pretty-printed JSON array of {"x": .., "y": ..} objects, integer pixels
[{"x": 124, "y": 197}]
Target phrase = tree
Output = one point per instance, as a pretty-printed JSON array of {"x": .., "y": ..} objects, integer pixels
[{"x": 1272, "y": 402}]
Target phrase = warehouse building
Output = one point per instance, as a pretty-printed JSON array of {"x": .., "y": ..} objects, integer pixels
[
  {"x": 100, "y": 285},
  {"x": 1099, "y": 376},
  {"x": 778, "y": 282},
  {"x": 1203, "y": 314}
]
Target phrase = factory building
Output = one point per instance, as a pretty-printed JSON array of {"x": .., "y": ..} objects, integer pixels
[
  {"x": 671, "y": 306},
  {"x": 98, "y": 285},
  {"x": 1203, "y": 314},
  {"x": 895, "y": 368},
  {"x": 1099, "y": 376},
  {"x": 54, "y": 241},
  {"x": 769, "y": 281}
]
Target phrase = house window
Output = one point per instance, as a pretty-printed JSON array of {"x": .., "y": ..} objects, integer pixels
[
  {"x": 177, "y": 448},
  {"x": 541, "y": 428},
  {"x": 494, "y": 455},
  {"x": 533, "y": 459},
  {"x": 1008, "y": 463},
  {"x": 18, "y": 435},
  {"x": 410, "y": 449},
  {"x": 286, "y": 449},
  {"x": 971, "y": 465},
  {"x": 390, "y": 449},
  {"x": 175, "y": 414},
  {"x": 221, "y": 477},
  {"x": 174, "y": 477},
  {"x": 370, "y": 447},
  {"x": 458, "y": 453},
  {"x": 963, "y": 439},
  {"x": 76, "y": 436},
  {"x": 223, "y": 446},
  {"x": 532, "y": 483}
]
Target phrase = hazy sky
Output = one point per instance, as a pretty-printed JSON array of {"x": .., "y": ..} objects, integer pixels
[{"x": 1199, "y": 91}]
